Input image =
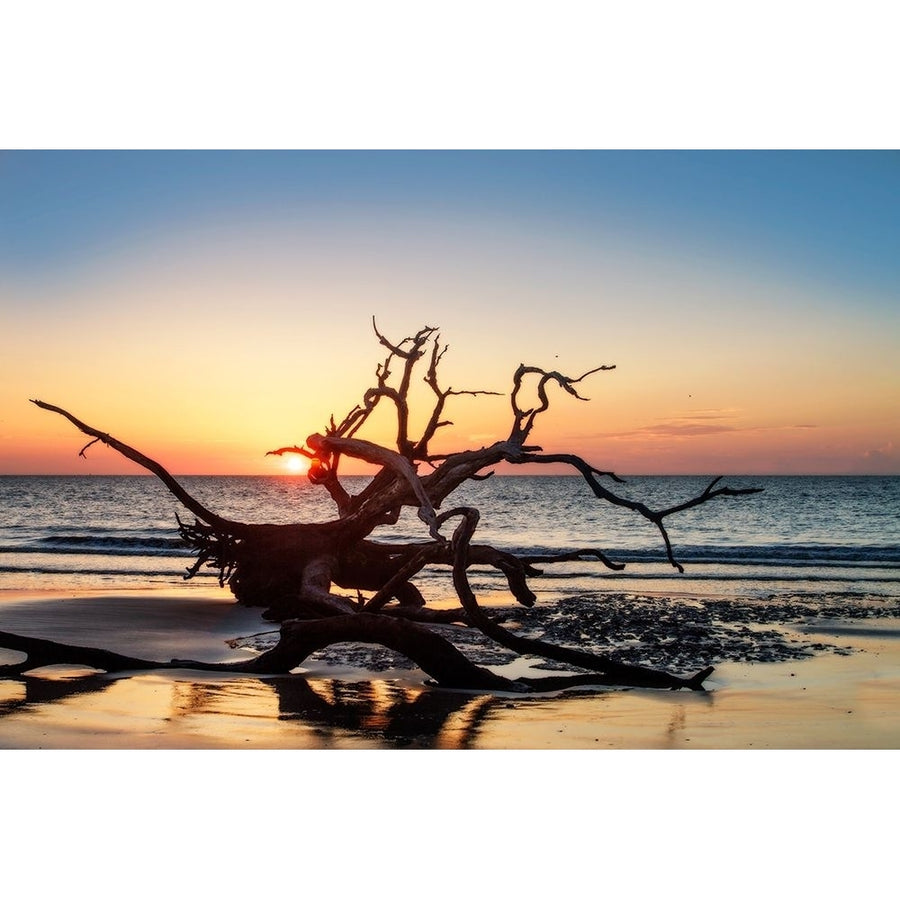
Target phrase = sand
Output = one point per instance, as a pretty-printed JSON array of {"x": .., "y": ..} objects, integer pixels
[{"x": 845, "y": 693}]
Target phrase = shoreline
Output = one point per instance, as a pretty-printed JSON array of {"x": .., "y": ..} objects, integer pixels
[{"x": 844, "y": 696}]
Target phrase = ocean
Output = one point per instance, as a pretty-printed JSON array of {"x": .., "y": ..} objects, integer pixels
[{"x": 801, "y": 535}]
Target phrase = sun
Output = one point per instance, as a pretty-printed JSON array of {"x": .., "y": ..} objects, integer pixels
[{"x": 296, "y": 464}]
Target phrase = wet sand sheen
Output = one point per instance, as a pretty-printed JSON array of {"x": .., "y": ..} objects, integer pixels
[{"x": 827, "y": 701}]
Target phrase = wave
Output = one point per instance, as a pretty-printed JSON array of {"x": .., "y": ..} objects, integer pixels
[
  {"x": 105, "y": 544},
  {"x": 747, "y": 555},
  {"x": 123, "y": 573},
  {"x": 720, "y": 576},
  {"x": 492, "y": 575}
]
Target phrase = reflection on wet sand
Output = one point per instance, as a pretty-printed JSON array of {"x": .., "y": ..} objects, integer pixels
[
  {"x": 401, "y": 716},
  {"x": 676, "y": 726},
  {"x": 287, "y": 711},
  {"x": 828, "y": 701},
  {"x": 24, "y": 691}
]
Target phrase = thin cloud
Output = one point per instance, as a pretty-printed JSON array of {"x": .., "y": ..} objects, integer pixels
[
  {"x": 693, "y": 423},
  {"x": 885, "y": 452},
  {"x": 684, "y": 429},
  {"x": 698, "y": 426},
  {"x": 704, "y": 414}
]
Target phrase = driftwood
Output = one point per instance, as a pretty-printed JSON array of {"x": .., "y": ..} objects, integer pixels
[{"x": 293, "y": 570}]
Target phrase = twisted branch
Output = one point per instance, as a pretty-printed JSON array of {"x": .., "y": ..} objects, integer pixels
[
  {"x": 638, "y": 676},
  {"x": 523, "y": 419}
]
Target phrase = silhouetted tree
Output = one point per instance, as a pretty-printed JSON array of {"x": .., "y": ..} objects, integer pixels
[{"x": 293, "y": 570}]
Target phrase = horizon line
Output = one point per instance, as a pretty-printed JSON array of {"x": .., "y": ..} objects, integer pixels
[{"x": 302, "y": 476}]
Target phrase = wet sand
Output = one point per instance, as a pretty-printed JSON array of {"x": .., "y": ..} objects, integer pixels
[{"x": 845, "y": 695}]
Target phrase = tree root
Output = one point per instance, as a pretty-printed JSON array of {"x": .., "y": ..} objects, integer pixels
[{"x": 432, "y": 653}]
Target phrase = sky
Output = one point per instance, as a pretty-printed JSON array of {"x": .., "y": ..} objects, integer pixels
[{"x": 207, "y": 306}]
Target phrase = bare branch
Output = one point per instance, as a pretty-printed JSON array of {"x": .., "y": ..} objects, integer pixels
[
  {"x": 420, "y": 451},
  {"x": 523, "y": 419},
  {"x": 397, "y": 349},
  {"x": 624, "y": 674},
  {"x": 402, "y": 575},
  {"x": 655, "y": 516},
  {"x": 81, "y": 452},
  {"x": 294, "y": 449},
  {"x": 373, "y": 453},
  {"x": 574, "y": 556},
  {"x": 451, "y": 393},
  {"x": 197, "y": 508}
]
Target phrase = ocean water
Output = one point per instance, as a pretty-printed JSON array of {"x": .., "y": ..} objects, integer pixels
[{"x": 802, "y": 535}]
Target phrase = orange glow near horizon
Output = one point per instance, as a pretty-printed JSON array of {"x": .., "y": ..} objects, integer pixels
[
  {"x": 206, "y": 344},
  {"x": 677, "y": 410},
  {"x": 630, "y": 426}
]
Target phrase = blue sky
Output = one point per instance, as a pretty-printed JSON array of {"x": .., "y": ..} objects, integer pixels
[{"x": 832, "y": 215}]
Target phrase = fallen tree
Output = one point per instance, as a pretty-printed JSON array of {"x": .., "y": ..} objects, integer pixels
[{"x": 295, "y": 570}]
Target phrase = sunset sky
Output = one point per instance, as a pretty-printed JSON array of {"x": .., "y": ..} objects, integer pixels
[{"x": 209, "y": 306}]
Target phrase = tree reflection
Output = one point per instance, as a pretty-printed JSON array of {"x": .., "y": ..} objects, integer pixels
[
  {"x": 385, "y": 713},
  {"x": 400, "y": 716}
]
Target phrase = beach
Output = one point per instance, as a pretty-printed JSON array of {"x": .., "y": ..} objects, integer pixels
[
  {"x": 827, "y": 681},
  {"x": 792, "y": 595},
  {"x": 326, "y": 381}
]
